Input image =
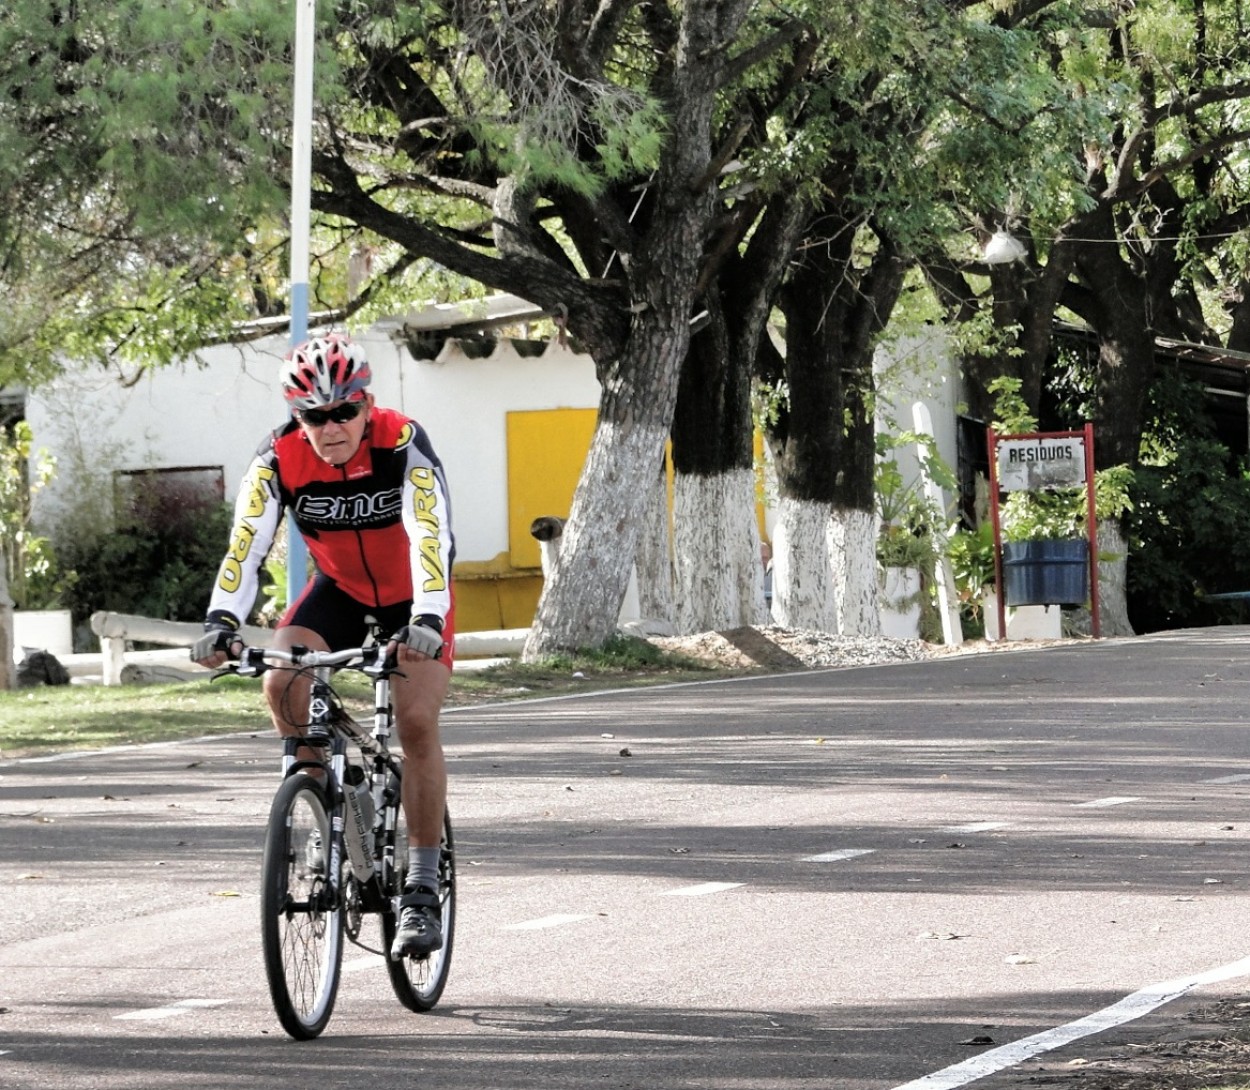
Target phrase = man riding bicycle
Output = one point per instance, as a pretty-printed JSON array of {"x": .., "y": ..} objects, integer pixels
[{"x": 369, "y": 496}]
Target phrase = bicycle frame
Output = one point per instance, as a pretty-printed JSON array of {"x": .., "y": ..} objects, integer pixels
[
  {"x": 309, "y": 899},
  {"x": 331, "y": 728}
]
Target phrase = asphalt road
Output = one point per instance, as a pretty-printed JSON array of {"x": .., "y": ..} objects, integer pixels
[{"x": 850, "y": 878}]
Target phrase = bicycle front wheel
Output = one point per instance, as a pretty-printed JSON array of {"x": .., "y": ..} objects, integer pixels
[
  {"x": 301, "y": 915},
  {"x": 418, "y": 982}
]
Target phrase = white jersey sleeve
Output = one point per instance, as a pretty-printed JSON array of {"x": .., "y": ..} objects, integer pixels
[
  {"x": 426, "y": 513},
  {"x": 257, "y": 513}
]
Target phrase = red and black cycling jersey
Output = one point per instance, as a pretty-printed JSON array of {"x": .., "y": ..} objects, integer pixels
[{"x": 379, "y": 525}]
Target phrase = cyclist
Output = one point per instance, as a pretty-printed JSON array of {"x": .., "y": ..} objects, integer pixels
[{"x": 369, "y": 495}]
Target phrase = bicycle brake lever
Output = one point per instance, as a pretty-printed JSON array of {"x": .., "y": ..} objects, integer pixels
[{"x": 251, "y": 664}]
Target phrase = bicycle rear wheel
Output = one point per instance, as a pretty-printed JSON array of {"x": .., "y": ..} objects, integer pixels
[
  {"x": 301, "y": 919},
  {"x": 419, "y": 981}
]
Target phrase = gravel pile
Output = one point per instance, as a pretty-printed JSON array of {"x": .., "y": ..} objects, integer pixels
[
  {"x": 775, "y": 647},
  {"x": 822, "y": 649}
]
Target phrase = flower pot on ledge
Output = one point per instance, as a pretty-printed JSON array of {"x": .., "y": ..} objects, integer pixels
[{"x": 900, "y": 603}]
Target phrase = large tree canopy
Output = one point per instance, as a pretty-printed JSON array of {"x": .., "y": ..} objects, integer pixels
[{"x": 623, "y": 165}]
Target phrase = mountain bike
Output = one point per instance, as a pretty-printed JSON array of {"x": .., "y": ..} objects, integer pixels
[{"x": 336, "y": 846}]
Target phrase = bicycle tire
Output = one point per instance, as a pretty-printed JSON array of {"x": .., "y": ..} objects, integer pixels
[
  {"x": 418, "y": 982},
  {"x": 301, "y": 934}
]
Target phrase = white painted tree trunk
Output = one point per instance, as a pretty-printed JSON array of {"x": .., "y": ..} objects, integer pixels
[
  {"x": 654, "y": 560},
  {"x": 582, "y": 598},
  {"x": 716, "y": 548},
  {"x": 803, "y": 585},
  {"x": 853, "y": 554}
]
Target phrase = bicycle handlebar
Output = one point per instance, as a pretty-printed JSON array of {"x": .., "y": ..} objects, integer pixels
[{"x": 254, "y": 661}]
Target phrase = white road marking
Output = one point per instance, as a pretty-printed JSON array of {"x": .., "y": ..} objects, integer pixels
[
  {"x": 545, "y": 921},
  {"x": 184, "y": 1006},
  {"x": 701, "y": 889},
  {"x": 838, "y": 856},
  {"x": 1240, "y": 777},
  {"x": 360, "y": 964},
  {"x": 1126, "y": 1010},
  {"x": 976, "y": 827},
  {"x": 1110, "y": 800}
]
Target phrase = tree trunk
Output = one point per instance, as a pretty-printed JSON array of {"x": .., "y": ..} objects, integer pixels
[
  {"x": 654, "y": 562},
  {"x": 803, "y": 585},
  {"x": 579, "y": 604},
  {"x": 718, "y": 571},
  {"x": 823, "y": 438},
  {"x": 717, "y": 550},
  {"x": 1113, "y": 581},
  {"x": 854, "y": 551}
]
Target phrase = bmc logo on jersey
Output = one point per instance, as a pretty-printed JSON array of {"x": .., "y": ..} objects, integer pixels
[{"x": 362, "y": 509}]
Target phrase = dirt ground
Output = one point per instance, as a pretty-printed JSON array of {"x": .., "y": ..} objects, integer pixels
[{"x": 1207, "y": 1048}]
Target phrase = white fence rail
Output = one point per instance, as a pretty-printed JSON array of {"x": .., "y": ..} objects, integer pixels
[{"x": 116, "y": 629}]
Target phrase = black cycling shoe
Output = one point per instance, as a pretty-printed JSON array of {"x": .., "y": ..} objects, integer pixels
[{"x": 420, "y": 929}]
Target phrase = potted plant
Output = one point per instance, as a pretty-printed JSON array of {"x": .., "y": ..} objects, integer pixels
[{"x": 971, "y": 556}]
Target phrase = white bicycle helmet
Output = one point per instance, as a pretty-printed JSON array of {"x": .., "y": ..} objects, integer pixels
[{"x": 324, "y": 370}]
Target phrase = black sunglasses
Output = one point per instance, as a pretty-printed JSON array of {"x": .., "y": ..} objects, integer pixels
[{"x": 340, "y": 414}]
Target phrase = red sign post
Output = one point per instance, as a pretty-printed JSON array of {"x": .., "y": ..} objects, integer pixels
[{"x": 1042, "y": 460}]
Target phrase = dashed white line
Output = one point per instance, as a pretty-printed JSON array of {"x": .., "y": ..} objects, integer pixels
[
  {"x": 184, "y": 1006},
  {"x": 976, "y": 827},
  {"x": 838, "y": 855},
  {"x": 545, "y": 921},
  {"x": 701, "y": 889},
  {"x": 1240, "y": 777},
  {"x": 1110, "y": 800},
  {"x": 360, "y": 964},
  {"x": 1126, "y": 1010}
]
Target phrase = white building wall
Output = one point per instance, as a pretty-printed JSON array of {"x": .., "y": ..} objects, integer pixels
[
  {"x": 918, "y": 368},
  {"x": 217, "y": 415}
]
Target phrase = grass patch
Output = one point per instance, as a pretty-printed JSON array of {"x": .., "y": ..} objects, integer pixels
[
  {"x": 49, "y": 719},
  {"x": 623, "y": 662},
  {"x": 53, "y": 719}
]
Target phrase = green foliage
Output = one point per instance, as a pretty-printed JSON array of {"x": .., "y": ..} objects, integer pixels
[
  {"x": 1012, "y": 415},
  {"x": 141, "y": 142},
  {"x": 1189, "y": 530},
  {"x": 159, "y": 561},
  {"x": 906, "y": 513},
  {"x": 34, "y": 578},
  {"x": 971, "y": 555}
]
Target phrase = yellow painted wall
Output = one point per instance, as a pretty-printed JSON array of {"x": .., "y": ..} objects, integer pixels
[
  {"x": 546, "y": 452},
  {"x": 491, "y": 594}
]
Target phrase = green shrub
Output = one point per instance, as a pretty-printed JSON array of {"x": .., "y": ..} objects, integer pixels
[
  {"x": 159, "y": 562},
  {"x": 35, "y": 579},
  {"x": 1189, "y": 530}
]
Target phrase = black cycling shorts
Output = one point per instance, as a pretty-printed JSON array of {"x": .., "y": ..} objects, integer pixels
[{"x": 338, "y": 618}]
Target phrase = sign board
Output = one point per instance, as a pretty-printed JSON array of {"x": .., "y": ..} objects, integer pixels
[{"x": 1028, "y": 465}]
